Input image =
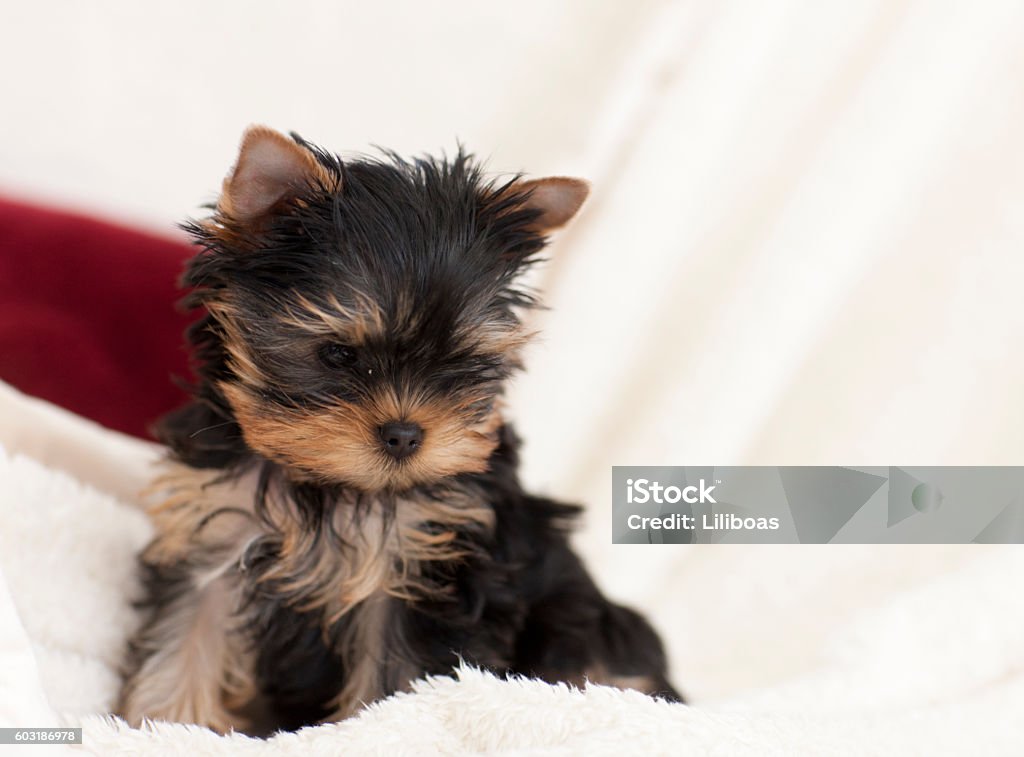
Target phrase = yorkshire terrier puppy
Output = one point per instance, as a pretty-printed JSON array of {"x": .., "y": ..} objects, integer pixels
[{"x": 343, "y": 513}]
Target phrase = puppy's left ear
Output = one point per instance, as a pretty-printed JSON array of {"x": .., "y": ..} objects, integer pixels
[
  {"x": 558, "y": 198},
  {"x": 270, "y": 167}
]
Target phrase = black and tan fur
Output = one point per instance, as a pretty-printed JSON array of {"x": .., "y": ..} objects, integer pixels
[{"x": 299, "y": 570}]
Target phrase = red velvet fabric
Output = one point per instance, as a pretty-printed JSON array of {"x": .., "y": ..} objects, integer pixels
[{"x": 87, "y": 315}]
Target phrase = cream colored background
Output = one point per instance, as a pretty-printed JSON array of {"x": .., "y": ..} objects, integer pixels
[{"x": 805, "y": 243}]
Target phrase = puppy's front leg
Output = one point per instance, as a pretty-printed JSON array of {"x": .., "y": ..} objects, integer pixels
[{"x": 188, "y": 662}]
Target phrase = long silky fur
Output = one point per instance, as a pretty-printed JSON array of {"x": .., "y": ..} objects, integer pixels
[{"x": 345, "y": 595}]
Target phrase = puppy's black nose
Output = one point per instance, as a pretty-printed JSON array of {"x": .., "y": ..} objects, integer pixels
[{"x": 401, "y": 439}]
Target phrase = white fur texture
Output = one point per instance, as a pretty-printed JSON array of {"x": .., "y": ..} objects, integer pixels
[{"x": 787, "y": 650}]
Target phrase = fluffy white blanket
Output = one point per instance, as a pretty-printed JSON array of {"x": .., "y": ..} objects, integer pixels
[{"x": 786, "y": 650}]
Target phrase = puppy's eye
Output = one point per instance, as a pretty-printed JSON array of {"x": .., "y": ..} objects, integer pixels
[{"x": 335, "y": 355}]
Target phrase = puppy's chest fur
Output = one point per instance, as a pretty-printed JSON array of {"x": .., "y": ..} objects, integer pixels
[{"x": 313, "y": 593}]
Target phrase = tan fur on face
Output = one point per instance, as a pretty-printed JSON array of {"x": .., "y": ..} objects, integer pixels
[
  {"x": 496, "y": 339},
  {"x": 340, "y": 443},
  {"x": 354, "y": 324},
  {"x": 239, "y": 359}
]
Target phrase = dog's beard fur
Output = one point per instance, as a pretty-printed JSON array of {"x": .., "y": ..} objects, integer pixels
[
  {"x": 339, "y": 442},
  {"x": 299, "y": 570}
]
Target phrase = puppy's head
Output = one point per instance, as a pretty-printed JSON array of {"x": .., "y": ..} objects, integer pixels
[{"x": 365, "y": 314}]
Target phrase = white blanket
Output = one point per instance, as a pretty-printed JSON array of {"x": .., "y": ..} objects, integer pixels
[{"x": 784, "y": 649}]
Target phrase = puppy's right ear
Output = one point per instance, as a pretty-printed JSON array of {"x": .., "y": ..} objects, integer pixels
[{"x": 270, "y": 167}]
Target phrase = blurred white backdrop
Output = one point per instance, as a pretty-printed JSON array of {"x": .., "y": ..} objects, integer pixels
[
  {"x": 137, "y": 108},
  {"x": 805, "y": 243}
]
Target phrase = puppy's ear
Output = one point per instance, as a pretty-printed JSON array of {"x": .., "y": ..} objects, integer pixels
[
  {"x": 558, "y": 198},
  {"x": 270, "y": 167}
]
